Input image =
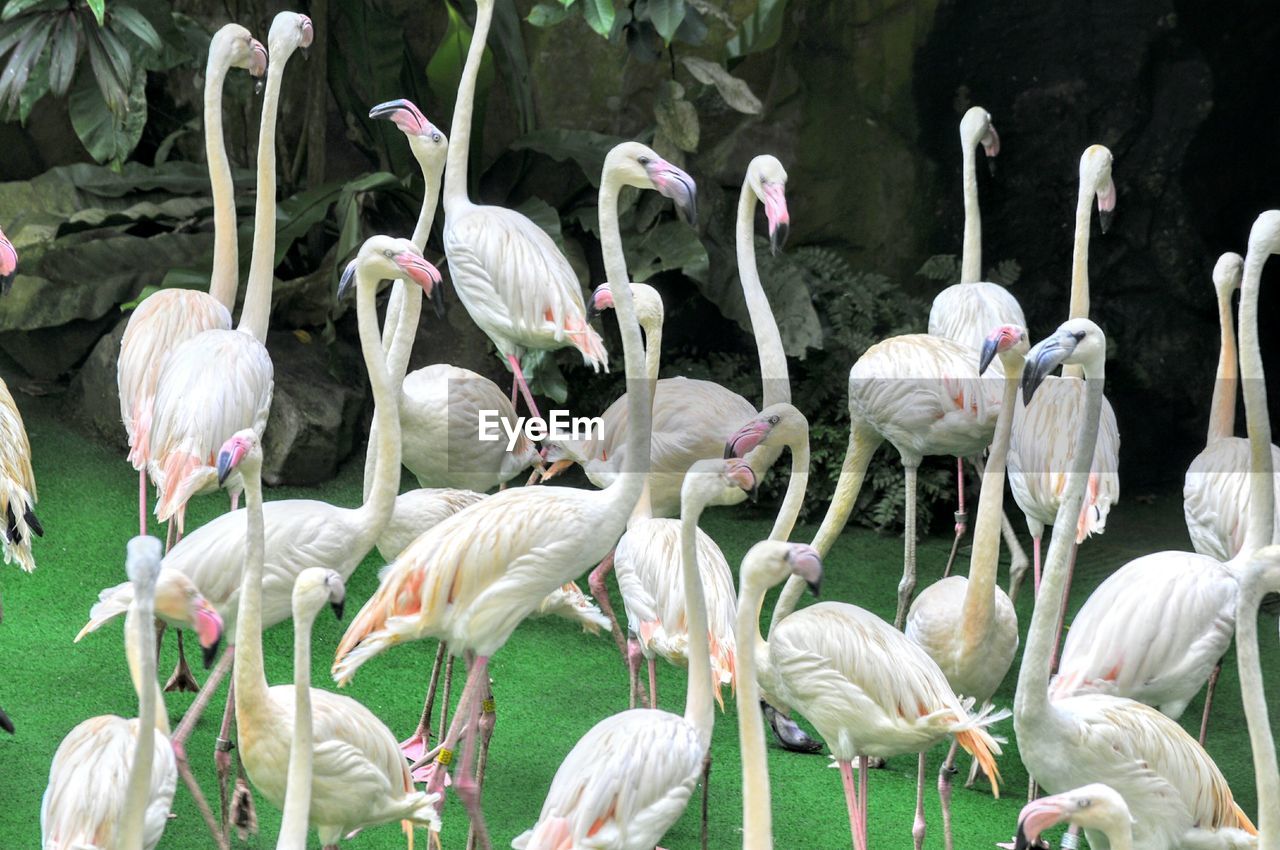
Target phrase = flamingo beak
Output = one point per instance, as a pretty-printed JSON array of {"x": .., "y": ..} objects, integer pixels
[
  {"x": 420, "y": 272},
  {"x": 308, "y": 35},
  {"x": 775, "y": 212},
  {"x": 745, "y": 477},
  {"x": 807, "y": 563},
  {"x": 990, "y": 347},
  {"x": 208, "y": 627},
  {"x": 404, "y": 114},
  {"x": 991, "y": 146},
  {"x": 601, "y": 300},
  {"x": 676, "y": 184},
  {"x": 5, "y": 723},
  {"x": 8, "y": 264},
  {"x": 1047, "y": 355},
  {"x": 232, "y": 453},
  {"x": 556, "y": 468},
  {"x": 1036, "y": 817},
  {"x": 745, "y": 439},
  {"x": 338, "y": 606},
  {"x": 348, "y": 275},
  {"x": 258, "y": 62},
  {"x": 1106, "y": 205}
]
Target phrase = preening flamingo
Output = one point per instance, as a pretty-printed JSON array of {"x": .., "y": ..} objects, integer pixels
[
  {"x": 1157, "y": 628},
  {"x": 1041, "y": 445},
  {"x": 1215, "y": 492},
  {"x": 358, "y": 776},
  {"x": 112, "y": 780},
  {"x": 170, "y": 317},
  {"x": 968, "y": 625},
  {"x": 1261, "y": 576},
  {"x": 220, "y": 380},
  {"x": 1176, "y": 793},
  {"x": 502, "y": 556},
  {"x": 17, "y": 481},
  {"x": 630, "y": 777},
  {"x": 765, "y": 565},
  {"x": 1096, "y": 807},
  {"x": 507, "y": 271}
]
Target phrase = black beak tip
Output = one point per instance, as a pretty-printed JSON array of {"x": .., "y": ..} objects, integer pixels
[
  {"x": 754, "y": 493},
  {"x": 209, "y": 653},
  {"x": 988, "y": 354},
  {"x": 6, "y": 283},
  {"x": 778, "y": 238},
  {"x": 1104, "y": 219},
  {"x": 728, "y": 450},
  {"x": 991, "y": 165},
  {"x": 437, "y": 300},
  {"x": 5, "y": 723},
  {"x": 337, "y": 608},
  {"x": 815, "y": 587}
]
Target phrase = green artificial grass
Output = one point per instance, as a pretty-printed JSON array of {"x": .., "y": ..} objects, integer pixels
[{"x": 551, "y": 682}]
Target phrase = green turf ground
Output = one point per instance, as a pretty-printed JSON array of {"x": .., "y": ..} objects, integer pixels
[{"x": 551, "y": 681}]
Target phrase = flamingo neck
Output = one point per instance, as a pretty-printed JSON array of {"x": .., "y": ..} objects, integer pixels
[
  {"x": 455, "y": 169},
  {"x": 699, "y": 709},
  {"x": 1031, "y": 707},
  {"x": 984, "y": 559},
  {"x": 773, "y": 358},
  {"x": 1079, "y": 306},
  {"x": 757, "y": 818},
  {"x": 639, "y": 399},
  {"x": 252, "y": 703},
  {"x": 297, "y": 800},
  {"x": 1254, "y": 700},
  {"x": 379, "y": 503},
  {"x": 792, "y": 501},
  {"x": 225, "y": 277},
  {"x": 1257, "y": 422},
  {"x": 141, "y": 639},
  {"x": 971, "y": 252},
  {"x": 652, "y": 361},
  {"x": 255, "y": 317},
  {"x": 1222, "y": 409}
]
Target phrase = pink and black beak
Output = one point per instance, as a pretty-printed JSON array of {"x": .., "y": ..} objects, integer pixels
[
  {"x": 747, "y": 437},
  {"x": 404, "y": 114},
  {"x": 233, "y": 451},
  {"x": 775, "y": 212},
  {"x": 208, "y": 627},
  {"x": 1036, "y": 817},
  {"x": 258, "y": 64},
  {"x": 991, "y": 146},
  {"x": 601, "y": 300},
  {"x": 676, "y": 184},
  {"x": 741, "y": 473},
  {"x": 1046, "y": 356},
  {"x": 1106, "y": 205},
  {"x": 425, "y": 275},
  {"x": 8, "y": 264},
  {"x": 1001, "y": 339},
  {"x": 5, "y": 723},
  {"x": 805, "y": 562}
]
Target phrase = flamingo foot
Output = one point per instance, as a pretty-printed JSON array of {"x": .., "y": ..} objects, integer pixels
[
  {"x": 436, "y": 777},
  {"x": 243, "y": 816},
  {"x": 181, "y": 678},
  {"x": 415, "y": 747}
]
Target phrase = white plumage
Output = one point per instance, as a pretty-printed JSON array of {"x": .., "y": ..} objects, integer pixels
[
  {"x": 17, "y": 485},
  {"x": 1215, "y": 498}
]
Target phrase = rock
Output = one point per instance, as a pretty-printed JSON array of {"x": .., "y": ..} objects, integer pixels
[
  {"x": 94, "y": 398},
  {"x": 49, "y": 353},
  {"x": 313, "y": 413}
]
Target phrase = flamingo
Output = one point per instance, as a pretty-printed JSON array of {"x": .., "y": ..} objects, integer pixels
[
  {"x": 170, "y": 317},
  {"x": 610, "y": 790},
  {"x": 17, "y": 481},
  {"x": 968, "y": 625},
  {"x": 766, "y": 564},
  {"x": 507, "y": 271},
  {"x": 1215, "y": 492},
  {"x": 1040, "y": 448},
  {"x": 1260, "y": 577},
  {"x": 1095, "y": 807},
  {"x": 1176, "y": 793},
  {"x": 358, "y": 777},
  {"x": 220, "y": 380},
  {"x": 303, "y": 532},
  {"x": 1124, "y": 640},
  {"x": 503, "y": 555},
  {"x": 112, "y": 780}
]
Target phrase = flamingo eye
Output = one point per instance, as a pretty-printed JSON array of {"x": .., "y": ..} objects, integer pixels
[
  {"x": 389, "y": 254},
  {"x": 644, "y": 160},
  {"x": 435, "y": 137},
  {"x": 773, "y": 420},
  {"x": 1085, "y": 803}
]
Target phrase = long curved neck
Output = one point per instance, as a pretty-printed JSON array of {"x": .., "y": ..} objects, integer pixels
[
  {"x": 773, "y": 358},
  {"x": 757, "y": 817},
  {"x": 257, "y": 297},
  {"x": 139, "y": 628},
  {"x": 639, "y": 404},
  {"x": 1079, "y": 307},
  {"x": 792, "y": 501},
  {"x": 971, "y": 252},
  {"x": 249, "y": 671},
  {"x": 652, "y": 362},
  {"x": 1121, "y": 836},
  {"x": 455, "y": 169},
  {"x": 1222, "y": 409},
  {"x": 297, "y": 799},
  {"x": 984, "y": 559},
  {"x": 226, "y": 257},
  {"x": 1255, "y": 711},
  {"x": 380, "y": 500},
  {"x": 698, "y": 708},
  {"x": 1257, "y": 422},
  {"x": 1031, "y": 702}
]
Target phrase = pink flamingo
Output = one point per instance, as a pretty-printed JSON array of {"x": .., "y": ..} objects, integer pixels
[{"x": 17, "y": 480}]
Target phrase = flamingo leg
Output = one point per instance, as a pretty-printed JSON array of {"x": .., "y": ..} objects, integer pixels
[
  {"x": 189, "y": 779},
  {"x": 918, "y": 828},
  {"x": 633, "y": 667},
  {"x": 944, "y": 791},
  {"x": 600, "y": 591},
  {"x": 467, "y": 784},
  {"x": 706, "y": 787},
  {"x": 142, "y": 502},
  {"x": 444, "y": 699},
  {"x": 851, "y": 802},
  {"x": 181, "y": 678},
  {"x": 1062, "y": 617},
  {"x": 434, "y": 765},
  {"x": 222, "y": 756},
  {"x": 1071, "y": 838},
  {"x": 235, "y": 500},
  {"x": 863, "y": 763},
  {"x": 416, "y": 744},
  {"x": 653, "y": 683},
  {"x": 1208, "y": 701},
  {"x": 907, "y": 587},
  {"x": 161, "y": 628},
  {"x": 962, "y": 519},
  {"x": 1018, "y": 561},
  {"x": 524, "y": 387},
  {"x": 488, "y": 719}
]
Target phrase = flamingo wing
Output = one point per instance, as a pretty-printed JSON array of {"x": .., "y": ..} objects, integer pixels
[
  {"x": 1215, "y": 497},
  {"x": 17, "y": 486}
]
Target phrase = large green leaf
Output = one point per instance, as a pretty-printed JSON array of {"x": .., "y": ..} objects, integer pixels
[
  {"x": 179, "y": 178},
  {"x": 665, "y": 15},
  {"x": 99, "y": 8},
  {"x": 366, "y": 58},
  {"x": 135, "y": 22},
  {"x": 31, "y": 39},
  {"x": 676, "y": 117},
  {"x": 548, "y": 14},
  {"x": 733, "y": 91},
  {"x": 671, "y": 246},
  {"x": 64, "y": 49},
  {"x": 584, "y": 147},
  {"x": 760, "y": 31},
  {"x": 599, "y": 15},
  {"x": 512, "y": 61},
  {"x": 444, "y": 70},
  {"x": 168, "y": 211},
  {"x": 107, "y": 135}
]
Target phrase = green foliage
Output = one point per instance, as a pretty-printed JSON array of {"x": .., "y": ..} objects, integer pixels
[{"x": 945, "y": 268}]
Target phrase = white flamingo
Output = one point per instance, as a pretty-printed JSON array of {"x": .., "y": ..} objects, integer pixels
[
  {"x": 507, "y": 271},
  {"x": 358, "y": 776},
  {"x": 502, "y": 556},
  {"x": 170, "y": 317},
  {"x": 1262, "y": 576},
  {"x": 1158, "y": 627},
  {"x": 1176, "y": 793},
  {"x": 112, "y": 780},
  {"x": 17, "y": 480},
  {"x": 611, "y": 791},
  {"x": 766, "y": 564},
  {"x": 1096, "y": 807},
  {"x": 1215, "y": 491},
  {"x": 968, "y": 625},
  {"x": 1041, "y": 445},
  {"x": 220, "y": 380}
]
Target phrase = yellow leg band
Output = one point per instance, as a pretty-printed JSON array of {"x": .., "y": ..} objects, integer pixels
[
  {"x": 445, "y": 757},
  {"x": 489, "y": 706}
]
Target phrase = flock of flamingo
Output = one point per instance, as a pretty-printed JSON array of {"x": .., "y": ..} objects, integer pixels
[{"x": 1096, "y": 727}]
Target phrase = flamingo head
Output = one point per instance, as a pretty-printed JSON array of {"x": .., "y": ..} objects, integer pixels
[
  {"x": 8, "y": 264},
  {"x": 427, "y": 141},
  {"x": 242, "y": 444},
  {"x": 1095, "y": 806},
  {"x": 976, "y": 129},
  {"x": 1226, "y": 273},
  {"x": 805, "y": 562},
  {"x": 315, "y": 587},
  {"x": 142, "y": 560},
  {"x": 179, "y": 602},
  {"x": 1077, "y": 342},
  {"x": 768, "y": 180},
  {"x": 289, "y": 31},
  {"x": 1002, "y": 339},
  {"x": 1095, "y": 176},
  {"x": 558, "y": 456},
  {"x": 634, "y": 164},
  {"x": 777, "y": 424},
  {"x": 647, "y": 302},
  {"x": 240, "y": 48},
  {"x": 1264, "y": 235},
  {"x": 383, "y": 258},
  {"x": 601, "y": 300}
]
